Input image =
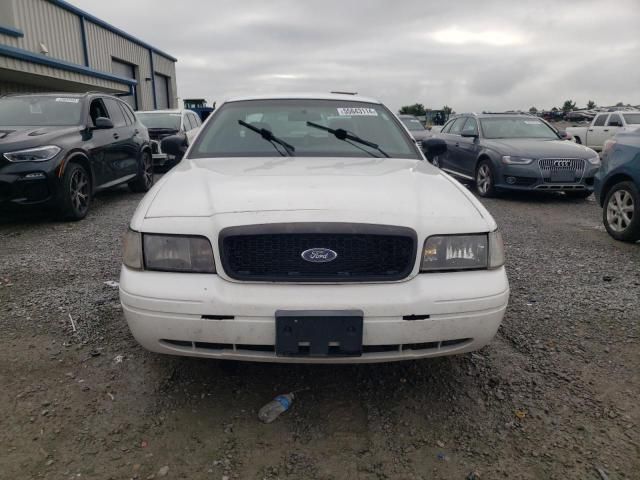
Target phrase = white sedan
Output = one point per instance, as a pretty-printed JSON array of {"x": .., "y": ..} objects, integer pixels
[{"x": 310, "y": 229}]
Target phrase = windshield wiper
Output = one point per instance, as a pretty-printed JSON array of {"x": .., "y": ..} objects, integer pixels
[
  {"x": 270, "y": 137},
  {"x": 342, "y": 134}
]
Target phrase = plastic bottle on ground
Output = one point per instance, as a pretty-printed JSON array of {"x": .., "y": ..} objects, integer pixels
[{"x": 275, "y": 407}]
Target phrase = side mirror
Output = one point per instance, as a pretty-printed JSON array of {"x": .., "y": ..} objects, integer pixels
[
  {"x": 434, "y": 147},
  {"x": 103, "y": 123},
  {"x": 563, "y": 135},
  {"x": 175, "y": 145},
  {"x": 469, "y": 134}
]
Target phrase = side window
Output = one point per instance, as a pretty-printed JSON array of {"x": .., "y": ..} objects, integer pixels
[
  {"x": 600, "y": 119},
  {"x": 194, "y": 120},
  {"x": 127, "y": 120},
  {"x": 115, "y": 112},
  {"x": 187, "y": 122},
  {"x": 614, "y": 120},
  {"x": 197, "y": 123},
  {"x": 471, "y": 127},
  {"x": 447, "y": 126},
  {"x": 456, "y": 128},
  {"x": 128, "y": 114},
  {"x": 97, "y": 109}
]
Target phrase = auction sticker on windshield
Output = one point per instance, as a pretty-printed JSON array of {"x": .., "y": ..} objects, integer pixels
[
  {"x": 357, "y": 112},
  {"x": 67, "y": 100}
]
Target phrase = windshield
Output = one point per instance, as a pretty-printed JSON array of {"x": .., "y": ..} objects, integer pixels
[
  {"x": 35, "y": 110},
  {"x": 632, "y": 118},
  {"x": 516, "y": 127},
  {"x": 412, "y": 124},
  {"x": 160, "y": 120},
  {"x": 225, "y": 136}
]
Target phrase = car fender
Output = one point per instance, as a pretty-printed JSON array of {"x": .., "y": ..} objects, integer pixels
[{"x": 76, "y": 154}]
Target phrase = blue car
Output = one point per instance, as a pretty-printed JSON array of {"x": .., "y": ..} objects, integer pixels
[{"x": 617, "y": 186}]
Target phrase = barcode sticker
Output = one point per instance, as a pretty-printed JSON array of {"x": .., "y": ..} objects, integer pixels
[
  {"x": 67, "y": 100},
  {"x": 357, "y": 112}
]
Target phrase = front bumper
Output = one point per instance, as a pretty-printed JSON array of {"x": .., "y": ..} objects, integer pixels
[
  {"x": 530, "y": 177},
  {"x": 208, "y": 316},
  {"x": 28, "y": 184}
]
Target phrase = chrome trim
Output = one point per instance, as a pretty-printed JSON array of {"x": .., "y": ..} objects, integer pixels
[
  {"x": 453, "y": 172},
  {"x": 549, "y": 165}
]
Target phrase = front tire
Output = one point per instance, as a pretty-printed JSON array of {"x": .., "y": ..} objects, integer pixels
[
  {"x": 144, "y": 180},
  {"x": 621, "y": 212},
  {"x": 76, "y": 192},
  {"x": 578, "y": 141},
  {"x": 485, "y": 180}
]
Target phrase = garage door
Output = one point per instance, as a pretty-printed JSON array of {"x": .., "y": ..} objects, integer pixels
[
  {"x": 126, "y": 70},
  {"x": 162, "y": 91}
]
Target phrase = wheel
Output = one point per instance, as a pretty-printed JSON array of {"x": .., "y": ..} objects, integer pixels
[
  {"x": 76, "y": 193},
  {"x": 578, "y": 141},
  {"x": 144, "y": 180},
  {"x": 485, "y": 180},
  {"x": 580, "y": 194},
  {"x": 621, "y": 213}
]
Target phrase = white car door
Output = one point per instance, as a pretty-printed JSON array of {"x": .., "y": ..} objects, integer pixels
[
  {"x": 192, "y": 125},
  {"x": 614, "y": 125},
  {"x": 596, "y": 134}
]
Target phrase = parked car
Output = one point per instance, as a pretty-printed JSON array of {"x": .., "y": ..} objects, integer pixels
[
  {"x": 515, "y": 152},
  {"x": 58, "y": 149},
  {"x": 161, "y": 124},
  {"x": 416, "y": 128},
  {"x": 310, "y": 228},
  {"x": 578, "y": 116},
  {"x": 603, "y": 127},
  {"x": 617, "y": 186}
]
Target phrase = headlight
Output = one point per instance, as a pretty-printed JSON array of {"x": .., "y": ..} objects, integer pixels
[
  {"x": 462, "y": 252},
  {"x": 39, "y": 154},
  {"x": 595, "y": 160},
  {"x": 177, "y": 253},
  {"x": 511, "y": 160}
]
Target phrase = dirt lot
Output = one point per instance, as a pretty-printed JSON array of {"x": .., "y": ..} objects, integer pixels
[{"x": 555, "y": 396}]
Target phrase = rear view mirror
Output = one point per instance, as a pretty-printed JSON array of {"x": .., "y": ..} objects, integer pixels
[
  {"x": 103, "y": 123},
  {"x": 175, "y": 145},
  {"x": 434, "y": 147}
]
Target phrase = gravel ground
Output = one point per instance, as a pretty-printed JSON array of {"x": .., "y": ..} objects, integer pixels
[{"x": 553, "y": 397}]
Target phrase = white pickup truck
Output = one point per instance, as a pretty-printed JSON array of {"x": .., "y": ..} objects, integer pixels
[{"x": 604, "y": 126}]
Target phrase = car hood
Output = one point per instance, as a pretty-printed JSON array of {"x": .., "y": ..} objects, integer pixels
[
  {"x": 420, "y": 134},
  {"x": 15, "y": 138},
  {"x": 354, "y": 189},
  {"x": 534, "y": 148}
]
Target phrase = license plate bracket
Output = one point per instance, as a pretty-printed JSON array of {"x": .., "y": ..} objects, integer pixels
[
  {"x": 563, "y": 176},
  {"x": 304, "y": 333}
]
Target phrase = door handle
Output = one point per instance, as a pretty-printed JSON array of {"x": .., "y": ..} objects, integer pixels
[
  {"x": 591, "y": 129},
  {"x": 116, "y": 136},
  {"x": 457, "y": 144},
  {"x": 606, "y": 130}
]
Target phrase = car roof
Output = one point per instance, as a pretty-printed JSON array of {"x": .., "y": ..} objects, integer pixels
[
  {"x": 405, "y": 115},
  {"x": 176, "y": 111},
  {"x": 345, "y": 97}
]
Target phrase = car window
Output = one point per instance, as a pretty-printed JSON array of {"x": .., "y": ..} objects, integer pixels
[
  {"x": 456, "y": 128},
  {"x": 167, "y": 121},
  {"x": 632, "y": 118},
  {"x": 470, "y": 127},
  {"x": 303, "y": 124},
  {"x": 97, "y": 109},
  {"x": 447, "y": 126},
  {"x": 516, "y": 127},
  {"x": 412, "y": 123},
  {"x": 37, "y": 110},
  {"x": 194, "y": 120},
  {"x": 189, "y": 120},
  {"x": 127, "y": 120},
  {"x": 600, "y": 120},
  {"x": 115, "y": 112},
  {"x": 129, "y": 115},
  {"x": 615, "y": 118},
  {"x": 197, "y": 119}
]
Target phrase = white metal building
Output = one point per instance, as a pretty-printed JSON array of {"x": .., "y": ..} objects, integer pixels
[{"x": 50, "y": 45}]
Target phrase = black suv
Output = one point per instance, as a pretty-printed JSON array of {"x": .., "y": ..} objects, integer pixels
[{"x": 58, "y": 149}]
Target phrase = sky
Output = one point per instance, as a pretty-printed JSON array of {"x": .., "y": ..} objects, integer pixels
[{"x": 469, "y": 54}]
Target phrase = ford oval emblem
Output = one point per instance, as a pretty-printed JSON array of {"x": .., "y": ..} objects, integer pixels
[{"x": 319, "y": 255}]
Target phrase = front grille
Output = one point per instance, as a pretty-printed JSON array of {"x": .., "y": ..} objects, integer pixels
[
  {"x": 274, "y": 252},
  {"x": 562, "y": 168}
]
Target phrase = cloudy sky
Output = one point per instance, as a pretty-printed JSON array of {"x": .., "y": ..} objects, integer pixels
[{"x": 472, "y": 55}]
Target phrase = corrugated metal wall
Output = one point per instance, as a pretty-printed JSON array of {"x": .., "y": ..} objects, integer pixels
[
  {"x": 11, "y": 87},
  {"x": 60, "y": 32},
  {"x": 43, "y": 22}
]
